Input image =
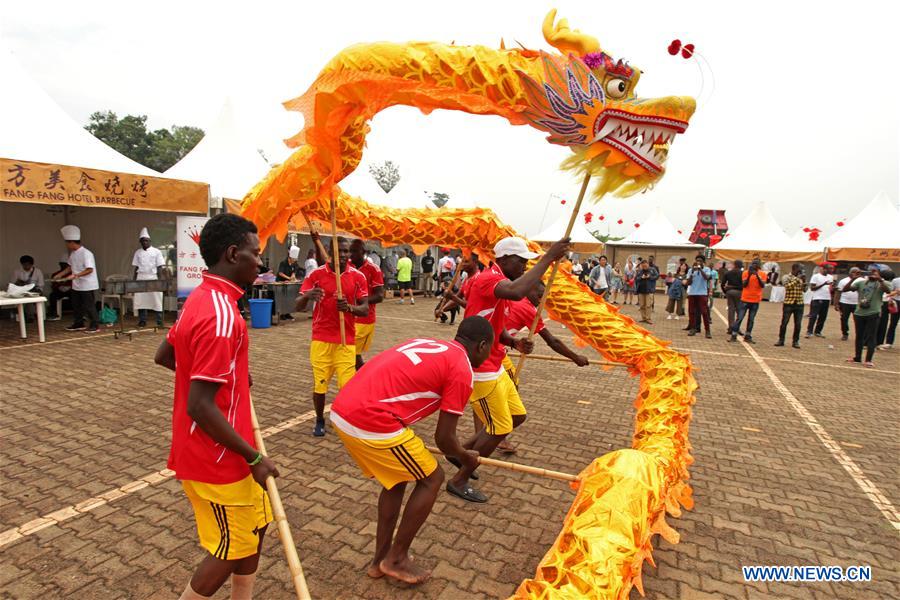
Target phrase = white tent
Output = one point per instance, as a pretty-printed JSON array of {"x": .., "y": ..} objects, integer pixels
[
  {"x": 760, "y": 236},
  {"x": 35, "y": 128},
  {"x": 873, "y": 234},
  {"x": 583, "y": 240},
  {"x": 49, "y": 150},
  {"x": 225, "y": 158},
  {"x": 657, "y": 230}
]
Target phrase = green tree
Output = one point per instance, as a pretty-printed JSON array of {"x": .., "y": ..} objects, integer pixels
[{"x": 158, "y": 150}]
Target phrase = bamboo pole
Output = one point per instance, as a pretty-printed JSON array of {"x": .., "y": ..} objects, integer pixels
[
  {"x": 540, "y": 308},
  {"x": 284, "y": 530},
  {"x": 337, "y": 268},
  {"x": 453, "y": 281},
  {"x": 602, "y": 363},
  {"x": 502, "y": 464}
]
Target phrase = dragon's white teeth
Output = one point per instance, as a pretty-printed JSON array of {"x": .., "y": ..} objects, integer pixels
[{"x": 609, "y": 127}]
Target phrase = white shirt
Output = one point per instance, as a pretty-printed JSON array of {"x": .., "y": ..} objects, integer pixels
[
  {"x": 79, "y": 260},
  {"x": 851, "y": 297},
  {"x": 824, "y": 292},
  {"x": 148, "y": 262},
  {"x": 310, "y": 265},
  {"x": 35, "y": 276},
  {"x": 446, "y": 265}
]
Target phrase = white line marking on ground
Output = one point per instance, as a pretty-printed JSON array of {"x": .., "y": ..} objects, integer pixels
[
  {"x": 868, "y": 488},
  {"x": 16, "y": 533},
  {"x": 83, "y": 337}
]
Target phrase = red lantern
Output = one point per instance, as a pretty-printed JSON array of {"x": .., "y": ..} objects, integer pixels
[
  {"x": 806, "y": 230},
  {"x": 637, "y": 225},
  {"x": 840, "y": 223},
  {"x": 679, "y": 232},
  {"x": 562, "y": 202},
  {"x": 588, "y": 217},
  {"x": 619, "y": 221},
  {"x": 601, "y": 217}
]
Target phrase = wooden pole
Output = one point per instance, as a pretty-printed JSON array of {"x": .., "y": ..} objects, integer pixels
[
  {"x": 564, "y": 359},
  {"x": 540, "y": 308},
  {"x": 337, "y": 268},
  {"x": 284, "y": 530},
  {"x": 502, "y": 464},
  {"x": 453, "y": 281}
]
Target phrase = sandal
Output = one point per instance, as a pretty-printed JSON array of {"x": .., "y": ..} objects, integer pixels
[
  {"x": 455, "y": 462},
  {"x": 467, "y": 493}
]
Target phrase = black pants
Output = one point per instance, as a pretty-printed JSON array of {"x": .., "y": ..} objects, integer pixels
[
  {"x": 846, "y": 311},
  {"x": 818, "y": 312},
  {"x": 866, "y": 329},
  {"x": 788, "y": 311},
  {"x": 887, "y": 326},
  {"x": 54, "y": 298},
  {"x": 84, "y": 304}
]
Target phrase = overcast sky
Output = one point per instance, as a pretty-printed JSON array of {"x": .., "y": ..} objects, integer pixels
[{"x": 805, "y": 113}]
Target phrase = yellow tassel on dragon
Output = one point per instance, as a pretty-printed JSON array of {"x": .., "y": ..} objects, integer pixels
[{"x": 584, "y": 99}]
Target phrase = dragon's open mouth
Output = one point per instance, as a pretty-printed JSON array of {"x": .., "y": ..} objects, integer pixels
[{"x": 644, "y": 139}]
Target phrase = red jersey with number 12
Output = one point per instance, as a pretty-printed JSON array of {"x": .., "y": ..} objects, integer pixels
[
  {"x": 403, "y": 385},
  {"x": 481, "y": 301}
]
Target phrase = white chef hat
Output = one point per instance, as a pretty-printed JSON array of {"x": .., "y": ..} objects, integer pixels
[
  {"x": 294, "y": 252},
  {"x": 71, "y": 233},
  {"x": 144, "y": 234}
]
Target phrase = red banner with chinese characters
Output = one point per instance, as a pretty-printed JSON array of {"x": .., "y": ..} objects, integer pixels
[{"x": 42, "y": 183}]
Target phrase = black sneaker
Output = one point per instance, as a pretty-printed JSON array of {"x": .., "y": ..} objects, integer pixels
[
  {"x": 844, "y": 337},
  {"x": 779, "y": 343},
  {"x": 820, "y": 335},
  {"x": 796, "y": 345},
  {"x": 749, "y": 339},
  {"x": 733, "y": 338},
  {"x": 708, "y": 335},
  {"x": 76, "y": 328},
  {"x": 93, "y": 329},
  {"x": 319, "y": 429},
  {"x": 142, "y": 323},
  {"x": 692, "y": 333}
]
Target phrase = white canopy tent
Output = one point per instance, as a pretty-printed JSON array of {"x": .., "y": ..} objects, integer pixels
[
  {"x": 657, "y": 230},
  {"x": 801, "y": 238},
  {"x": 225, "y": 158},
  {"x": 583, "y": 241},
  {"x": 49, "y": 150},
  {"x": 873, "y": 234},
  {"x": 760, "y": 236}
]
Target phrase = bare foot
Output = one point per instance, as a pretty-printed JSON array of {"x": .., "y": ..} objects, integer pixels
[
  {"x": 374, "y": 571},
  {"x": 405, "y": 570}
]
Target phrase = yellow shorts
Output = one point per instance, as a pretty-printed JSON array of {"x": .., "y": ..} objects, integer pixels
[
  {"x": 229, "y": 516},
  {"x": 395, "y": 460},
  {"x": 495, "y": 402},
  {"x": 510, "y": 368},
  {"x": 329, "y": 359},
  {"x": 365, "y": 332}
]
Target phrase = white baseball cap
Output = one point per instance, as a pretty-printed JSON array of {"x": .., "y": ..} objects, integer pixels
[{"x": 513, "y": 246}]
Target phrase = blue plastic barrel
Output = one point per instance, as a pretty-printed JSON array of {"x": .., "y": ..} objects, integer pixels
[{"x": 261, "y": 313}]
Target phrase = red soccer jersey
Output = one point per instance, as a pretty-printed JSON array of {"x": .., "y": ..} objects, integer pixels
[
  {"x": 481, "y": 301},
  {"x": 403, "y": 385},
  {"x": 374, "y": 279},
  {"x": 325, "y": 326},
  {"x": 521, "y": 316},
  {"x": 211, "y": 344}
]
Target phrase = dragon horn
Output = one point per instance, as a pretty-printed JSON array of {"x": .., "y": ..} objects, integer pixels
[{"x": 566, "y": 40}]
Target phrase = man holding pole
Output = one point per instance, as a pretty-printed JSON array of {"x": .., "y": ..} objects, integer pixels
[
  {"x": 213, "y": 451},
  {"x": 372, "y": 416},
  {"x": 495, "y": 398},
  {"x": 521, "y": 316},
  {"x": 328, "y": 353},
  {"x": 365, "y": 325}
]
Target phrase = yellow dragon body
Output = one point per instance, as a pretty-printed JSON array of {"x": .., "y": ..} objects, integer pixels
[{"x": 584, "y": 99}]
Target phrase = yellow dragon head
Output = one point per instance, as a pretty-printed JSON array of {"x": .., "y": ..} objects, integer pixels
[{"x": 586, "y": 100}]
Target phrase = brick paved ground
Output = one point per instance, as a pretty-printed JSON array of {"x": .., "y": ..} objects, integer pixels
[{"x": 94, "y": 414}]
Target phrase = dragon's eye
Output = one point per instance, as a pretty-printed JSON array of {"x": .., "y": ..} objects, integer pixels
[{"x": 615, "y": 88}]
